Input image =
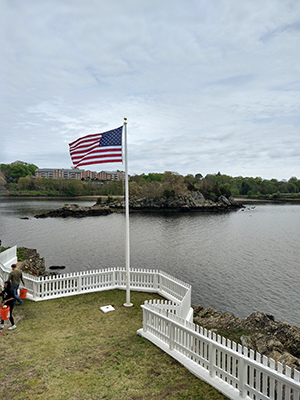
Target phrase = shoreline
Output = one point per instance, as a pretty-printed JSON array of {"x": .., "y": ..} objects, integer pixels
[
  {"x": 282, "y": 200},
  {"x": 240, "y": 200},
  {"x": 41, "y": 196}
]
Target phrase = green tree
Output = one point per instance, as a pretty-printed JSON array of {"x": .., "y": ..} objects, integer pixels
[
  {"x": 135, "y": 191},
  {"x": 174, "y": 183},
  {"x": 18, "y": 171},
  {"x": 26, "y": 183},
  {"x": 13, "y": 172},
  {"x": 154, "y": 177},
  {"x": 245, "y": 188}
]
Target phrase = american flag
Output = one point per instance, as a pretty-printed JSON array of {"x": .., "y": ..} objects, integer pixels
[{"x": 96, "y": 149}]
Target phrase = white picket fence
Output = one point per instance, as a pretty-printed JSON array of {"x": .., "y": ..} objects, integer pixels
[
  {"x": 234, "y": 370},
  {"x": 70, "y": 284}
]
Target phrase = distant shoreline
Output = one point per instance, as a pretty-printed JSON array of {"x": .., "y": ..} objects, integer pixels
[
  {"x": 246, "y": 200},
  {"x": 281, "y": 200},
  {"x": 42, "y": 196}
]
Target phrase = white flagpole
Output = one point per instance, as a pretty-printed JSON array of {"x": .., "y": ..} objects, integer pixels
[{"x": 128, "y": 303}]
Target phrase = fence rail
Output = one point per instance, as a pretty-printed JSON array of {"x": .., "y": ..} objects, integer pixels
[{"x": 236, "y": 371}]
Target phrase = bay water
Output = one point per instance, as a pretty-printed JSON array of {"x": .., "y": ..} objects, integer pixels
[{"x": 240, "y": 261}]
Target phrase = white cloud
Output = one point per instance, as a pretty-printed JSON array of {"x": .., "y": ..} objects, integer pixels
[{"x": 207, "y": 85}]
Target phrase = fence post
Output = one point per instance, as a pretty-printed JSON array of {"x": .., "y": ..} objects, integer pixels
[
  {"x": 79, "y": 277},
  {"x": 211, "y": 355},
  {"x": 113, "y": 280},
  {"x": 155, "y": 281},
  {"x": 171, "y": 335},
  {"x": 37, "y": 288},
  {"x": 241, "y": 384},
  {"x": 33, "y": 289},
  {"x": 144, "y": 319}
]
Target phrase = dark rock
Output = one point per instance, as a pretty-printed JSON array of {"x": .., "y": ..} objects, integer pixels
[
  {"x": 259, "y": 331},
  {"x": 75, "y": 211},
  {"x": 33, "y": 263},
  {"x": 194, "y": 201}
]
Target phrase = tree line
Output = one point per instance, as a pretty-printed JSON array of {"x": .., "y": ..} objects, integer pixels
[
  {"x": 212, "y": 186},
  {"x": 18, "y": 178}
]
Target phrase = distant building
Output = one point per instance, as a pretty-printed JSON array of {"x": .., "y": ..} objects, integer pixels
[
  {"x": 58, "y": 173},
  {"x": 89, "y": 174},
  {"x": 111, "y": 176},
  {"x": 55, "y": 173}
]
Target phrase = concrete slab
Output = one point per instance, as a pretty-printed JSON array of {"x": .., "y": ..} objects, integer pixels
[{"x": 106, "y": 309}]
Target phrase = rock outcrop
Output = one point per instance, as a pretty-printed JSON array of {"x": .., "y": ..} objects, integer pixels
[
  {"x": 259, "y": 331},
  {"x": 33, "y": 264},
  {"x": 194, "y": 201},
  {"x": 76, "y": 211}
]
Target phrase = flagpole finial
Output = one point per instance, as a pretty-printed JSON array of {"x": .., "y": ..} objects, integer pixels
[{"x": 125, "y": 119}]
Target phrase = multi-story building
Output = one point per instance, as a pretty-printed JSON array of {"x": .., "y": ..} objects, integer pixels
[
  {"x": 111, "y": 176},
  {"x": 77, "y": 173},
  {"x": 103, "y": 176},
  {"x": 58, "y": 173},
  {"x": 89, "y": 174}
]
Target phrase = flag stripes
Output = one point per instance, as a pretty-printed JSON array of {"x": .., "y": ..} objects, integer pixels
[{"x": 97, "y": 148}]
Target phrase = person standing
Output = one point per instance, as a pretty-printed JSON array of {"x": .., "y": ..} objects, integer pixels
[
  {"x": 8, "y": 300},
  {"x": 15, "y": 277}
]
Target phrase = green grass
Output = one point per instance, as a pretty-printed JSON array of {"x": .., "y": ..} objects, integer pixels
[
  {"x": 234, "y": 334},
  {"x": 20, "y": 255},
  {"x": 68, "y": 349}
]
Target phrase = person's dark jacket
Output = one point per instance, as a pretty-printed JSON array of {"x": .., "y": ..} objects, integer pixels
[{"x": 8, "y": 293}]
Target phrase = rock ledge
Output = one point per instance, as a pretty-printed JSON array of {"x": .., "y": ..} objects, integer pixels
[{"x": 259, "y": 331}]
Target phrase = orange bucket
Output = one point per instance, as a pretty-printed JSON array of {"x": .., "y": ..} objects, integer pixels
[
  {"x": 23, "y": 293},
  {"x": 4, "y": 312}
]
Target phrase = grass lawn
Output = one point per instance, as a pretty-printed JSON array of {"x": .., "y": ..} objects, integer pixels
[{"x": 68, "y": 349}]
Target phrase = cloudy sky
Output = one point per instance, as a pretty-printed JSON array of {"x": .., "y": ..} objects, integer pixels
[{"x": 206, "y": 85}]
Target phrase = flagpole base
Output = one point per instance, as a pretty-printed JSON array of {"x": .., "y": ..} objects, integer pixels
[{"x": 127, "y": 304}]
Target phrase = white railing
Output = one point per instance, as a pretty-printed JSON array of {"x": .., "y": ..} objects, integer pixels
[
  {"x": 234, "y": 370},
  {"x": 7, "y": 258}
]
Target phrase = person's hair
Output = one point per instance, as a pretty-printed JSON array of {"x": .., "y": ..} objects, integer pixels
[
  {"x": 8, "y": 284},
  {"x": 13, "y": 266}
]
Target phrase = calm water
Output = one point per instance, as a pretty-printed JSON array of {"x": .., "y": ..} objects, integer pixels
[{"x": 237, "y": 262}]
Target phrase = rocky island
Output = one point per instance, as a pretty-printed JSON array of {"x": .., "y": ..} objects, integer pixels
[
  {"x": 76, "y": 211},
  {"x": 193, "y": 202}
]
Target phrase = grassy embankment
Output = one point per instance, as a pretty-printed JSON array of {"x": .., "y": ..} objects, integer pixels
[{"x": 68, "y": 349}]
